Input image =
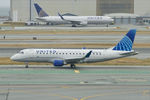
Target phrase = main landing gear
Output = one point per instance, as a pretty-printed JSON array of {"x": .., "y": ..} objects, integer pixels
[
  {"x": 73, "y": 66},
  {"x": 107, "y": 25},
  {"x": 26, "y": 65},
  {"x": 74, "y": 25}
]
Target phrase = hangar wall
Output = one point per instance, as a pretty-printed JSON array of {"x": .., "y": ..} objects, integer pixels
[
  {"x": 20, "y": 10},
  {"x": 114, "y": 6}
]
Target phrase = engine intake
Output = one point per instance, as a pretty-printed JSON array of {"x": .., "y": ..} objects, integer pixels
[{"x": 58, "y": 63}]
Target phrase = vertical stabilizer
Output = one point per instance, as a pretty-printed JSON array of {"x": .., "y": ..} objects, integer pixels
[
  {"x": 40, "y": 11},
  {"x": 127, "y": 42}
]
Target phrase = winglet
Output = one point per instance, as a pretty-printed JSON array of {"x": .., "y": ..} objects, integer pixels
[
  {"x": 88, "y": 54},
  {"x": 127, "y": 42},
  {"x": 61, "y": 16}
]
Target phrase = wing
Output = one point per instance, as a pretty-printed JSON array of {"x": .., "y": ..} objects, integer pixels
[
  {"x": 73, "y": 21},
  {"x": 78, "y": 60}
]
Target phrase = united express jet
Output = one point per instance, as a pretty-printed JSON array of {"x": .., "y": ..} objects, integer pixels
[
  {"x": 61, "y": 57},
  {"x": 71, "y": 19}
]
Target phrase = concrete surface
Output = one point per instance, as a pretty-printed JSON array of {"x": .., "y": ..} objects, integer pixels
[
  {"x": 68, "y": 38},
  {"x": 92, "y": 83}
]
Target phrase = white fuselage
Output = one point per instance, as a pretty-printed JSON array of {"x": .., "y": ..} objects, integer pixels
[
  {"x": 60, "y": 57},
  {"x": 49, "y": 55},
  {"x": 79, "y": 20}
]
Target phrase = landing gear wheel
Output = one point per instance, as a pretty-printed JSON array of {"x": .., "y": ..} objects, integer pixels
[
  {"x": 48, "y": 23},
  {"x": 26, "y": 66},
  {"x": 107, "y": 25},
  {"x": 73, "y": 66},
  {"x": 73, "y": 25}
]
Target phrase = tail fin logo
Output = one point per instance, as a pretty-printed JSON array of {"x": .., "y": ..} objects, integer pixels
[
  {"x": 127, "y": 42},
  {"x": 40, "y": 11},
  {"x": 42, "y": 14}
]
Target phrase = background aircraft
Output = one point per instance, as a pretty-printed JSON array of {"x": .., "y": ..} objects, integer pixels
[
  {"x": 71, "y": 19},
  {"x": 61, "y": 57}
]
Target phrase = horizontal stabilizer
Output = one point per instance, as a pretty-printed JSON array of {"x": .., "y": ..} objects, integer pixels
[{"x": 129, "y": 53}]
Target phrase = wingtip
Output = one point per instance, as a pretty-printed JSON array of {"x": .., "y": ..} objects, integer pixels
[{"x": 88, "y": 54}]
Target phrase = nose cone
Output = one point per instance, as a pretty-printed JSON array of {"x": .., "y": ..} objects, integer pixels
[
  {"x": 13, "y": 58},
  {"x": 112, "y": 20}
]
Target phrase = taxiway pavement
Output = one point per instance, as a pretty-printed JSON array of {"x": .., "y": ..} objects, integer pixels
[
  {"x": 68, "y": 38},
  {"x": 92, "y": 83}
]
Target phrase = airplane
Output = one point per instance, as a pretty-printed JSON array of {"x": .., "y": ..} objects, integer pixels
[
  {"x": 61, "y": 57},
  {"x": 71, "y": 19}
]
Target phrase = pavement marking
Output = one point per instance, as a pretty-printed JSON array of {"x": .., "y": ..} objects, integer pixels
[
  {"x": 144, "y": 92},
  {"x": 65, "y": 87},
  {"x": 66, "y": 97},
  {"x": 109, "y": 94},
  {"x": 76, "y": 71}
]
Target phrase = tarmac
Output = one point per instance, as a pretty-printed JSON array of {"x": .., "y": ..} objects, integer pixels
[
  {"x": 68, "y": 38},
  {"x": 44, "y": 82},
  {"x": 86, "y": 83}
]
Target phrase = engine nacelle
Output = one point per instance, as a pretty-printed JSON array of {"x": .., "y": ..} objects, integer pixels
[
  {"x": 84, "y": 22},
  {"x": 58, "y": 63}
]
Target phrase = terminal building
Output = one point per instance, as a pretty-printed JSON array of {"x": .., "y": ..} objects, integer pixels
[
  {"x": 114, "y": 6},
  {"x": 21, "y": 11},
  {"x": 123, "y": 11}
]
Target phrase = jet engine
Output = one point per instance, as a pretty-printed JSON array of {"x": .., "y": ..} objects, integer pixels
[
  {"x": 84, "y": 22},
  {"x": 58, "y": 63}
]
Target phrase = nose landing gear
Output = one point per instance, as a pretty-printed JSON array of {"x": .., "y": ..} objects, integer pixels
[
  {"x": 74, "y": 25},
  {"x": 26, "y": 65},
  {"x": 73, "y": 66}
]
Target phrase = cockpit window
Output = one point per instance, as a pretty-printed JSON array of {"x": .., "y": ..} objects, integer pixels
[{"x": 21, "y": 52}]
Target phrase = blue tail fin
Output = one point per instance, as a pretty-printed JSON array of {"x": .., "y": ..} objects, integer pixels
[
  {"x": 40, "y": 11},
  {"x": 127, "y": 42}
]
